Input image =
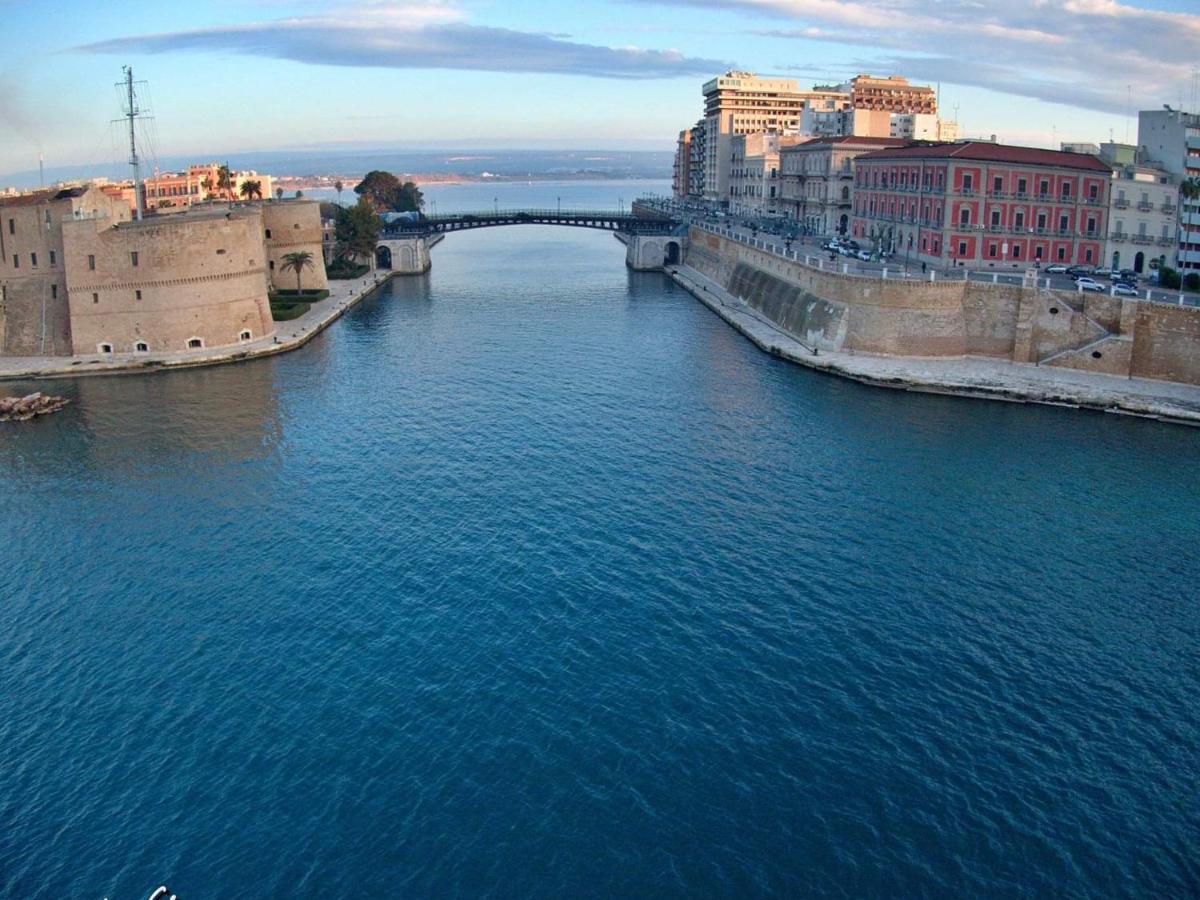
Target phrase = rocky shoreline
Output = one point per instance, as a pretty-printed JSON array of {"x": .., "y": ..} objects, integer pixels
[{"x": 19, "y": 409}]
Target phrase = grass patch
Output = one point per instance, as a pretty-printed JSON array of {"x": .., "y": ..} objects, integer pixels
[
  {"x": 343, "y": 271},
  {"x": 287, "y": 310},
  {"x": 281, "y": 296}
]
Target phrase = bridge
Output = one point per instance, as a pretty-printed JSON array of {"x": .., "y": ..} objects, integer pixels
[
  {"x": 606, "y": 220},
  {"x": 652, "y": 239}
]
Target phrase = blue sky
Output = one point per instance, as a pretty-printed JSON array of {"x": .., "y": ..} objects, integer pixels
[{"x": 226, "y": 76}]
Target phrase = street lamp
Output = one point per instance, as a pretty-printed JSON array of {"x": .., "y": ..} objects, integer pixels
[
  {"x": 559, "y": 205},
  {"x": 496, "y": 205}
]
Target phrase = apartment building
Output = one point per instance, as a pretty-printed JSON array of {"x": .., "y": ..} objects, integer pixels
[
  {"x": 754, "y": 173},
  {"x": 817, "y": 180},
  {"x": 1170, "y": 139}
]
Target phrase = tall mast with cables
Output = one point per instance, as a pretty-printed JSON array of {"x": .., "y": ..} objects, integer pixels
[{"x": 131, "y": 113}]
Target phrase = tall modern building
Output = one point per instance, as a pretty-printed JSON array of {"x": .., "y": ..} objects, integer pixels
[
  {"x": 1170, "y": 139},
  {"x": 742, "y": 103}
]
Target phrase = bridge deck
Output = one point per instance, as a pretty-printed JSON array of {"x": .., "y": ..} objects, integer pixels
[{"x": 607, "y": 220}]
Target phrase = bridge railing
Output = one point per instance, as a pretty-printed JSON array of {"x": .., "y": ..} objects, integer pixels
[{"x": 532, "y": 213}]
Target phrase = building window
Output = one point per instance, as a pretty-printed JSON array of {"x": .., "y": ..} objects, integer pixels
[
  {"x": 1062, "y": 254},
  {"x": 54, "y": 292},
  {"x": 268, "y": 234},
  {"x": 141, "y": 347},
  {"x": 271, "y": 265},
  {"x": 1044, "y": 187},
  {"x": 91, "y": 262},
  {"x": 1019, "y": 221},
  {"x": 12, "y": 226},
  {"x": 195, "y": 343},
  {"x": 992, "y": 250},
  {"x": 962, "y": 248},
  {"x": 1087, "y": 255},
  {"x": 16, "y": 261},
  {"x": 53, "y": 258},
  {"x": 968, "y": 183},
  {"x": 133, "y": 257},
  {"x": 998, "y": 184},
  {"x": 137, "y": 295},
  {"x": 995, "y": 218},
  {"x": 964, "y": 217},
  {"x": 244, "y": 336},
  {"x": 1022, "y": 186},
  {"x": 1016, "y": 251},
  {"x": 104, "y": 348}
]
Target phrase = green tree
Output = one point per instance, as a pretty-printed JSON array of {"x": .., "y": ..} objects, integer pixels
[
  {"x": 1168, "y": 277},
  {"x": 385, "y": 192},
  {"x": 251, "y": 190},
  {"x": 357, "y": 229},
  {"x": 208, "y": 186},
  {"x": 1190, "y": 188},
  {"x": 297, "y": 261},
  {"x": 338, "y": 186}
]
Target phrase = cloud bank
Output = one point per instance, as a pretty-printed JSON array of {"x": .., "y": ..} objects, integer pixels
[
  {"x": 1086, "y": 53},
  {"x": 416, "y": 37}
]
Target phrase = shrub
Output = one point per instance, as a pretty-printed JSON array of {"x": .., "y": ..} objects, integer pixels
[
  {"x": 342, "y": 270},
  {"x": 307, "y": 296},
  {"x": 1168, "y": 277},
  {"x": 1191, "y": 281},
  {"x": 286, "y": 311}
]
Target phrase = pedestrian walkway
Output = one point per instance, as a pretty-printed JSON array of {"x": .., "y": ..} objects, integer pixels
[{"x": 964, "y": 376}]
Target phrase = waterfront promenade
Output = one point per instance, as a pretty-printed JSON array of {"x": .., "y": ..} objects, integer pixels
[
  {"x": 967, "y": 376},
  {"x": 288, "y": 336}
]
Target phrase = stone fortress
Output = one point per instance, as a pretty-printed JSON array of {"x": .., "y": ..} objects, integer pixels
[{"x": 80, "y": 277}]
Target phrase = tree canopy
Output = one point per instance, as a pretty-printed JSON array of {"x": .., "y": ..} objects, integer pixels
[
  {"x": 386, "y": 193},
  {"x": 357, "y": 229}
]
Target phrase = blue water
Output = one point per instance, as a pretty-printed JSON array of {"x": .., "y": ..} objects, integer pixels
[{"x": 531, "y": 578}]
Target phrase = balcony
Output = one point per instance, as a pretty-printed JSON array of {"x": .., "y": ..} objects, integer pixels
[
  {"x": 1093, "y": 201},
  {"x": 1118, "y": 236},
  {"x": 1121, "y": 203},
  {"x": 1142, "y": 239},
  {"x": 998, "y": 195},
  {"x": 1169, "y": 209},
  {"x": 1145, "y": 206},
  {"x": 1166, "y": 241}
]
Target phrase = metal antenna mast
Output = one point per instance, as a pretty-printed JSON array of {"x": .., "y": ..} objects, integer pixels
[{"x": 131, "y": 113}]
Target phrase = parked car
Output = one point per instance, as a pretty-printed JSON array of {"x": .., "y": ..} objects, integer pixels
[
  {"x": 1080, "y": 270},
  {"x": 863, "y": 255},
  {"x": 1056, "y": 270},
  {"x": 1103, "y": 273},
  {"x": 1124, "y": 290},
  {"x": 1088, "y": 284},
  {"x": 1128, "y": 275}
]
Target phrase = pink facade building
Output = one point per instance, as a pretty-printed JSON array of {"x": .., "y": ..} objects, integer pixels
[{"x": 983, "y": 205}]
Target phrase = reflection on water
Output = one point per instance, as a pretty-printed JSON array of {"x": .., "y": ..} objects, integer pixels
[{"x": 530, "y": 576}]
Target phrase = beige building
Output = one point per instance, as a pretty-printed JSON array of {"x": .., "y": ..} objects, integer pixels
[
  {"x": 817, "y": 180},
  {"x": 742, "y": 103},
  {"x": 1142, "y": 218},
  {"x": 867, "y": 106},
  {"x": 175, "y": 190},
  {"x": 79, "y": 277},
  {"x": 754, "y": 183}
]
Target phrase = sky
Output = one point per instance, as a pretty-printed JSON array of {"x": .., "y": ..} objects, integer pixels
[{"x": 225, "y": 76}]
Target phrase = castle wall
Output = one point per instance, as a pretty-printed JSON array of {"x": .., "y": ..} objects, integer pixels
[
  {"x": 196, "y": 276},
  {"x": 829, "y": 310},
  {"x": 290, "y": 226}
]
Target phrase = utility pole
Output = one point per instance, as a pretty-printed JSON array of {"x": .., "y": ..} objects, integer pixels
[{"x": 131, "y": 113}]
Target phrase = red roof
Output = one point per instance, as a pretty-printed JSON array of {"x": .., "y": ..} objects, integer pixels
[
  {"x": 989, "y": 152},
  {"x": 852, "y": 139}
]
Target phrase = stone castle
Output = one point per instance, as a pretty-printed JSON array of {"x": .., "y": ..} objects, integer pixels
[{"x": 80, "y": 277}]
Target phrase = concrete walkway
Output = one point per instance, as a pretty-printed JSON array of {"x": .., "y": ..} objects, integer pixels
[
  {"x": 967, "y": 376},
  {"x": 288, "y": 336}
]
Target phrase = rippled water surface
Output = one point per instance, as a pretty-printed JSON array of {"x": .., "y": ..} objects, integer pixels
[{"x": 532, "y": 578}]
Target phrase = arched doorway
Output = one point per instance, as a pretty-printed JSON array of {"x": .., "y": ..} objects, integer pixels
[
  {"x": 672, "y": 257},
  {"x": 842, "y": 223},
  {"x": 1116, "y": 262},
  {"x": 383, "y": 257},
  {"x": 1139, "y": 262}
]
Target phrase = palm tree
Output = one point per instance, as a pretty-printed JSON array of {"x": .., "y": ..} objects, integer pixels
[
  {"x": 251, "y": 190},
  {"x": 208, "y": 186},
  {"x": 337, "y": 186},
  {"x": 298, "y": 262},
  {"x": 225, "y": 181}
]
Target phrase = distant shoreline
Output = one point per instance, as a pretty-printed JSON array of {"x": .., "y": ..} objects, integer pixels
[{"x": 317, "y": 182}]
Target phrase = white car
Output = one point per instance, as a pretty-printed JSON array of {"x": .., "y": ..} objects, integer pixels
[
  {"x": 863, "y": 255},
  {"x": 1056, "y": 270},
  {"x": 1088, "y": 284},
  {"x": 1124, "y": 290}
]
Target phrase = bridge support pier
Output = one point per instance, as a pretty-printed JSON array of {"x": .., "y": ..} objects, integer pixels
[
  {"x": 652, "y": 252},
  {"x": 403, "y": 256}
]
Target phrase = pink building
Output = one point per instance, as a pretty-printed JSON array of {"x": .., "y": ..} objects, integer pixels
[{"x": 983, "y": 205}]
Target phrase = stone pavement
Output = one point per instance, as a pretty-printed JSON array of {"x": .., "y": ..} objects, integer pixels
[
  {"x": 966, "y": 376},
  {"x": 288, "y": 336}
]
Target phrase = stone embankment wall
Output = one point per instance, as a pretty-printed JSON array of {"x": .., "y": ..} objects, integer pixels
[{"x": 917, "y": 318}]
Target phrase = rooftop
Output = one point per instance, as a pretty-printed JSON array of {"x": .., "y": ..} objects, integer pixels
[{"x": 986, "y": 151}]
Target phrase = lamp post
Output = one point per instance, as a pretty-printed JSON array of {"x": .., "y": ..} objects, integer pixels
[
  {"x": 496, "y": 205},
  {"x": 559, "y": 199}
]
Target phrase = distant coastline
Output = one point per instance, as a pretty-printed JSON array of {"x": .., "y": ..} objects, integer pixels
[{"x": 291, "y": 183}]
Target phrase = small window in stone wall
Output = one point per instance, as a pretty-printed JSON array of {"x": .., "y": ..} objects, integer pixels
[
  {"x": 105, "y": 348},
  {"x": 297, "y": 225},
  {"x": 271, "y": 265},
  {"x": 95, "y": 298},
  {"x": 54, "y": 292},
  {"x": 268, "y": 234},
  {"x": 244, "y": 336},
  {"x": 221, "y": 252},
  {"x": 141, "y": 347},
  {"x": 137, "y": 295},
  {"x": 195, "y": 343}
]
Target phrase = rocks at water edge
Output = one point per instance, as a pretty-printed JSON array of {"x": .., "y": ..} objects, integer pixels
[{"x": 18, "y": 409}]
